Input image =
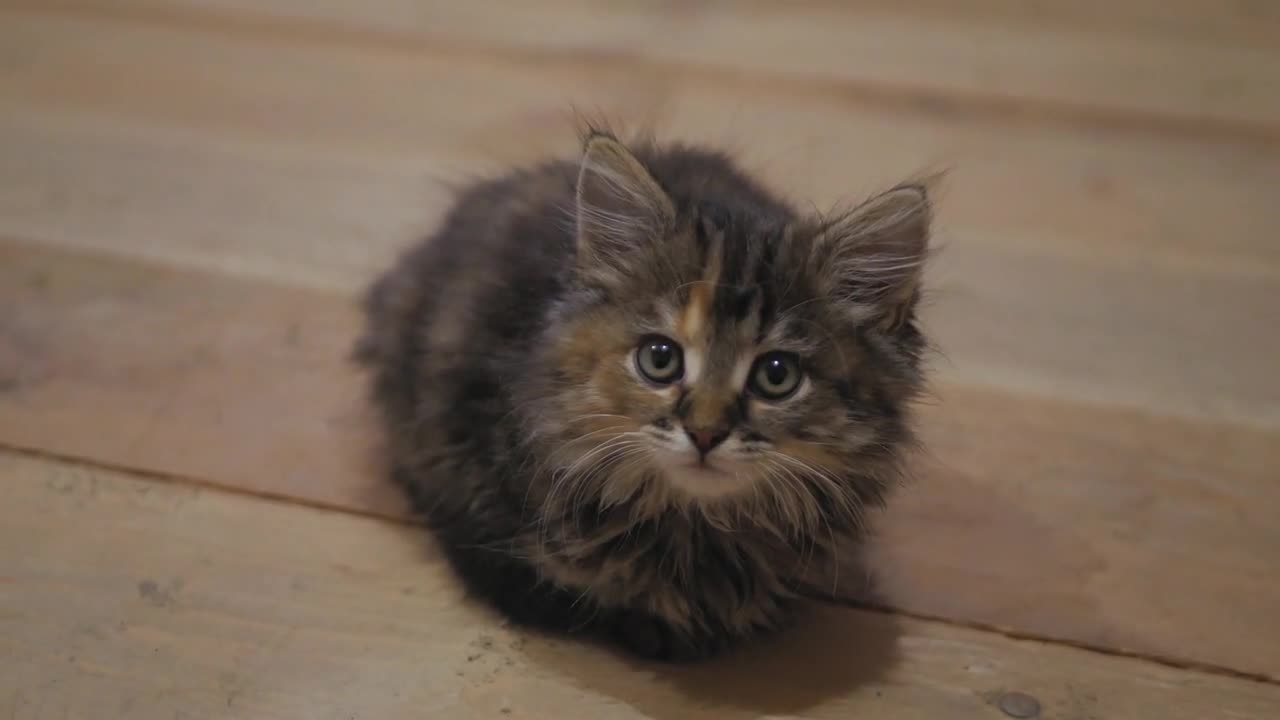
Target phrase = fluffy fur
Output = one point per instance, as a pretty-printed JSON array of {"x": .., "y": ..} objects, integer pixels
[{"x": 569, "y": 489}]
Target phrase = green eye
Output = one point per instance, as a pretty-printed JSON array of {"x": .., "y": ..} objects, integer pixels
[
  {"x": 660, "y": 360},
  {"x": 775, "y": 375}
]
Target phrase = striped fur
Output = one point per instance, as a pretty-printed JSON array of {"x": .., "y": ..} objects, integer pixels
[{"x": 502, "y": 353}]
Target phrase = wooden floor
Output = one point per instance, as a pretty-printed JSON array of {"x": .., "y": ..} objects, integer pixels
[{"x": 192, "y": 523}]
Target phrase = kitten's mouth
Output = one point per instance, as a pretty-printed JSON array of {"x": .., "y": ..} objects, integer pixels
[
  {"x": 706, "y": 478},
  {"x": 709, "y": 466}
]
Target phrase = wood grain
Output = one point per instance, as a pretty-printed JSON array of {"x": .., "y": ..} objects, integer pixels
[
  {"x": 1072, "y": 259},
  {"x": 1055, "y": 190},
  {"x": 1085, "y": 523},
  {"x": 146, "y": 600},
  {"x": 1098, "y": 525},
  {"x": 1185, "y": 65},
  {"x": 193, "y": 191},
  {"x": 217, "y": 379}
]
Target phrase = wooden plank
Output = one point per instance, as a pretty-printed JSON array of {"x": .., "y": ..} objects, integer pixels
[
  {"x": 143, "y": 600},
  {"x": 1194, "y": 64},
  {"x": 1061, "y": 190},
  {"x": 1050, "y": 518},
  {"x": 312, "y": 164},
  {"x": 1074, "y": 327},
  {"x": 239, "y": 154},
  {"x": 212, "y": 378},
  {"x": 189, "y": 200},
  {"x": 1110, "y": 528}
]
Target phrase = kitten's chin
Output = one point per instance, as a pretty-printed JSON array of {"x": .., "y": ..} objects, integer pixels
[{"x": 705, "y": 482}]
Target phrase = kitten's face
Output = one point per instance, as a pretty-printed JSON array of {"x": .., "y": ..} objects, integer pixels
[
  {"x": 724, "y": 386},
  {"x": 722, "y": 357}
]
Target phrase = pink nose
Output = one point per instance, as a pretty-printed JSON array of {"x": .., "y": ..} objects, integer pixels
[{"x": 706, "y": 440}]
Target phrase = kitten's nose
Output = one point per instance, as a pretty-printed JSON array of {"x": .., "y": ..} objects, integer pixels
[{"x": 706, "y": 440}]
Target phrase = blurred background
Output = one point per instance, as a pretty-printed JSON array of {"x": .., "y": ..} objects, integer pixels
[{"x": 193, "y": 192}]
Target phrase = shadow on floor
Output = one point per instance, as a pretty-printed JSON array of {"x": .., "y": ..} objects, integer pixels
[{"x": 829, "y": 653}]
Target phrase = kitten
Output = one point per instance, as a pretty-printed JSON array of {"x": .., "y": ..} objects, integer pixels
[{"x": 639, "y": 395}]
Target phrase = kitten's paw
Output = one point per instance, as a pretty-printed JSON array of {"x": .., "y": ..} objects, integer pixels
[{"x": 653, "y": 639}]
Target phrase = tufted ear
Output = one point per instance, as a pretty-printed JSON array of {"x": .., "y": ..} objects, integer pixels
[
  {"x": 874, "y": 255},
  {"x": 620, "y": 207}
]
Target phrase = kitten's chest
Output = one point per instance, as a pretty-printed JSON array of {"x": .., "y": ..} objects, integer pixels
[{"x": 678, "y": 571}]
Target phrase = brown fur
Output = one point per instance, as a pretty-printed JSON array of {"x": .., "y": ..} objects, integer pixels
[{"x": 568, "y": 488}]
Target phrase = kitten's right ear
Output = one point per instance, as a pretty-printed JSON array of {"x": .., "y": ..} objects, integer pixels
[
  {"x": 873, "y": 256},
  {"x": 619, "y": 207}
]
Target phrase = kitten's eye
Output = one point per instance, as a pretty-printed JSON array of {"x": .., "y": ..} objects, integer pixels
[
  {"x": 660, "y": 359},
  {"x": 775, "y": 375}
]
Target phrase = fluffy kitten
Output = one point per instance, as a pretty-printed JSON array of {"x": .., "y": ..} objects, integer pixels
[{"x": 639, "y": 395}]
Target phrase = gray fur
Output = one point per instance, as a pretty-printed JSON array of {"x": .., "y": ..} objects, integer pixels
[{"x": 498, "y": 352}]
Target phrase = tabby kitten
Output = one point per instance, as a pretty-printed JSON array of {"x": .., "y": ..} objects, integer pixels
[{"x": 638, "y": 395}]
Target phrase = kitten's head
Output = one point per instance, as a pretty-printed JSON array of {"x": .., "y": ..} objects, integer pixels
[{"x": 724, "y": 352}]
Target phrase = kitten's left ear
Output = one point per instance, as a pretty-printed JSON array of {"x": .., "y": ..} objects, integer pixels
[
  {"x": 620, "y": 207},
  {"x": 874, "y": 255}
]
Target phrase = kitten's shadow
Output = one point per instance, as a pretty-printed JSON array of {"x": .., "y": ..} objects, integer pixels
[{"x": 830, "y": 652}]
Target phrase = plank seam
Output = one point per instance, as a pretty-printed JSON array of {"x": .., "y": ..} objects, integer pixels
[
  {"x": 921, "y": 100},
  {"x": 283, "y": 499},
  {"x": 1013, "y": 634}
]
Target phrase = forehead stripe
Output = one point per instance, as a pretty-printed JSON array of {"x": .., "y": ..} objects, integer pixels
[{"x": 696, "y": 318}]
